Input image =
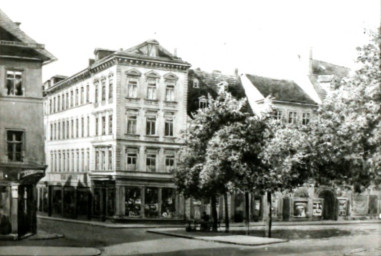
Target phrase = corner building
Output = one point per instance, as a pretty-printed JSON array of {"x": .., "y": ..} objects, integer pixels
[
  {"x": 112, "y": 135},
  {"x": 22, "y": 159}
]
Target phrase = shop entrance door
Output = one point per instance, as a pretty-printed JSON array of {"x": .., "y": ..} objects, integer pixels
[{"x": 26, "y": 210}]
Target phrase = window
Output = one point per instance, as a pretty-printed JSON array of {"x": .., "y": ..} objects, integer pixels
[
  {"x": 67, "y": 100},
  {"x": 88, "y": 126},
  {"x": 110, "y": 159},
  {"x": 87, "y": 93},
  {"x": 168, "y": 203},
  {"x": 72, "y": 161},
  {"x": 170, "y": 93},
  {"x": 151, "y": 126},
  {"x": 63, "y": 130},
  {"x": 51, "y": 106},
  {"x": 67, "y": 130},
  {"x": 151, "y": 208},
  {"x": 131, "y": 161},
  {"x": 59, "y": 131},
  {"x": 82, "y": 127},
  {"x": 59, "y": 103},
  {"x": 306, "y": 118},
  {"x": 63, "y": 102},
  {"x": 83, "y": 161},
  {"x": 88, "y": 160},
  {"x": 96, "y": 93},
  {"x": 291, "y": 117},
  {"x": 103, "y": 159},
  {"x": 132, "y": 89},
  {"x": 131, "y": 125},
  {"x": 103, "y": 90},
  {"x": 71, "y": 98},
  {"x": 96, "y": 125},
  {"x": 72, "y": 128},
  {"x": 76, "y": 97},
  {"x": 51, "y": 131},
  {"x": 96, "y": 160},
  {"x": 196, "y": 83},
  {"x": 133, "y": 202},
  {"x": 151, "y": 90},
  {"x": 110, "y": 88},
  {"x": 15, "y": 145},
  {"x": 169, "y": 127},
  {"x": 110, "y": 124},
  {"x": 82, "y": 95},
  {"x": 277, "y": 114},
  {"x": 169, "y": 163},
  {"x": 202, "y": 102},
  {"x": 14, "y": 83},
  {"x": 103, "y": 125},
  {"x": 76, "y": 128},
  {"x": 151, "y": 163}
]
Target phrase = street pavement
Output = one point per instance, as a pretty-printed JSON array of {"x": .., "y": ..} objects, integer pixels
[{"x": 137, "y": 241}]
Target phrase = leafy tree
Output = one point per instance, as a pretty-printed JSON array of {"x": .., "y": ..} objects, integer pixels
[
  {"x": 222, "y": 111},
  {"x": 346, "y": 136}
]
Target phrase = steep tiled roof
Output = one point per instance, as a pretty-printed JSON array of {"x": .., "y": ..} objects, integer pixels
[
  {"x": 280, "y": 90},
  {"x": 7, "y": 24}
]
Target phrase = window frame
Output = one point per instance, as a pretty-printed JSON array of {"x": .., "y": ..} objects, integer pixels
[
  {"x": 22, "y": 145},
  {"x": 14, "y": 71}
]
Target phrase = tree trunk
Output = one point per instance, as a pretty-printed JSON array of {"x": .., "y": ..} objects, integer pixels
[
  {"x": 247, "y": 219},
  {"x": 226, "y": 213},
  {"x": 214, "y": 212},
  {"x": 269, "y": 217}
]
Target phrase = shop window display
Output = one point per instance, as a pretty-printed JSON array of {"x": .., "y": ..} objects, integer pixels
[
  {"x": 133, "y": 202},
  {"x": 168, "y": 205},
  {"x": 151, "y": 207}
]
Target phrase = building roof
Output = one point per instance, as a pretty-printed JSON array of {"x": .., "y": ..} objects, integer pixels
[
  {"x": 7, "y": 24},
  {"x": 280, "y": 90},
  {"x": 214, "y": 78},
  {"x": 326, "y": 72}
]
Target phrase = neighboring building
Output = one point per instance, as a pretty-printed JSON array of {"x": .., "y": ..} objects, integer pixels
[
  {"x": 22, "y": 159},
  {"x": 112, "y": 134},
  {"x": 201, "y": 84}
]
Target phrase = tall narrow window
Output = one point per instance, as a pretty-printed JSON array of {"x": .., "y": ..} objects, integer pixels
[
  {"x": 291, "y": 117},
  {"x": 169, "y": 127},
  {"x": 110, "y": 88},
  {"x": 169, "y": 163},
  {"x": 15, "y": 145},
  {"x": 278, "y": 114},
  {"x": 63, "y": 130},
  {"x": 67, "y": 100},
  {"x": 88, "y": 126},
  {"x": 132, "y": 89},
  {"x": 103, "y": 159},
  {"x": 72, "y": 161},
  {"x": 59, "y": 130},
  {"x": 82, "y": 127},
  {"x": 51, "y": 131},
  {"x": 151, "y": 163},
  {"x": 72, "y": 128},
  {"x": 96, "y": 93},
  {"x": 63, "y": 102},
  {"x": 110, "y": 124},
  {"x": 170, "y": 93},
  {"x": 83, "y": 161},
  {"x": 131, "y": 161},
  {"x": 78, "y": 161},
  {"x": 151, "y": 126},
  {"x": 203, "y": 103},
  {"x": 88, "y": 160},
  {"x": 76, "y": 97},
  {"x": 96, "y": 126},
  {"x": 97, "y": 159},
  {"x": 103, "y": 90},
  {"x": 82, "y": 95},
  {"x": 71, "y": 98},
  {"x": 306, "y": 118},
  {"x": 103, "y": 125},
  {"x": 59, "y": 103},
  {"x": 76, "y": 128},
  {"x": 110, "y": 159},
  {"x": 14, "y": 84},
  {"x": 51, "y": 106},
  {"x": 131, "y": 125},
  {"x": 151, "y": 90},
  {"x": 87, "y": 93}
]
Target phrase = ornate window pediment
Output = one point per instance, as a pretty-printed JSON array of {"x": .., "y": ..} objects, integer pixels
[
  {"x": 133, "y": 72},
  {"x": 171, "y": 77},
  {"x": 152, "y": 74}
]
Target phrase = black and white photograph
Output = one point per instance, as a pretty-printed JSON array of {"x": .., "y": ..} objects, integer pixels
[{"x": 191, "y": 128}]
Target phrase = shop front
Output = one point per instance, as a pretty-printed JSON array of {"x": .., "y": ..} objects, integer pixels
[{"x": 18, "y": 199}]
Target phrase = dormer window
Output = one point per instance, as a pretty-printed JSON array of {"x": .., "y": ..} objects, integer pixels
[
  {"x": 196, "y": 83},
  {"x": 202, "y": 102},
  {"x": 14, "y": 85}
]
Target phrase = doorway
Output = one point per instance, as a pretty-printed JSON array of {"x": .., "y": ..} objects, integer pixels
[
  {"x": 26, "y": 209},
  {"x": 329, "y": 205}
]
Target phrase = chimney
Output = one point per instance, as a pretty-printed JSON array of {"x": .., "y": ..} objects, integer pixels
[
  {"x": 18, "y": 24},
  {"x": 91, "y": 62}
]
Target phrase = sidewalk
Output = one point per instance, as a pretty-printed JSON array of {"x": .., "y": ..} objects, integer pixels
[
  {"x": 44, "y": 250},
  {"x": 160, "y": 225}
]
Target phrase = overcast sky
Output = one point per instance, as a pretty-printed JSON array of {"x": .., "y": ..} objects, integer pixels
[{"x": 259, "y": 37}]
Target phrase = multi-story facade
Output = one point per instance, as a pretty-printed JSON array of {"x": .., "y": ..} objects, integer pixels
[
  {"x": 22, "y": 159},
  {"x": 112, "y": 134}
]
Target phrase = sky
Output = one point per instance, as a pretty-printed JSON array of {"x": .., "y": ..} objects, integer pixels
[{"x": 257, "y": 37}]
